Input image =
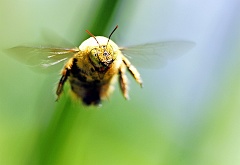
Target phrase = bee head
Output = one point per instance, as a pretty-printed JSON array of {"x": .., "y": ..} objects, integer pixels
[
  {"x": 103, "y": 51},
  {"x": 102, "y": 56}
]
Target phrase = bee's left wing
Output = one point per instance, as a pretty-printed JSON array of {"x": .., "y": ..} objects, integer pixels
[
  {"x": 156, "y": 54},
  {"x": 43, "y": 59}
]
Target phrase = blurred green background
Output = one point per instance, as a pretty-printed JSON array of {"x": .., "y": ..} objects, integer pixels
[{"x": 187, "y": 113}]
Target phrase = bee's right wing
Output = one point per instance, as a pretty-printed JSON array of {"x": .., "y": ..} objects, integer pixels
[
  {"x": 42, "y": 59},
  {"x": 156, "y": 54}
]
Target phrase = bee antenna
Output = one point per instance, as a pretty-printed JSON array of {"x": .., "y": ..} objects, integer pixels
[
  {"x": 92, "y": 36},
  {"x": 112, "y": 33}
]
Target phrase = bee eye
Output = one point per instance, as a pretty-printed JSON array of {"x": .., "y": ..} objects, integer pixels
[
  {"x": 94, "y": 52},
  {"x": 94, "y": 56},
  {"x": 105, "y": 53}
]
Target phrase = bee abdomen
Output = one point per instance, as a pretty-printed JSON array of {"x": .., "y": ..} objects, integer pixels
[
  {"x": 88, "y": 92},
  {"x": 92, "y": 97}
]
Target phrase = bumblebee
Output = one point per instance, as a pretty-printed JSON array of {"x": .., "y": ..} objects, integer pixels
[
  {"x": 93, "y": 67},
  {"x": 92, "y": 70}
]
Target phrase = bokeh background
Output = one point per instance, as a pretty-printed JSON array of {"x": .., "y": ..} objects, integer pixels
[{"x": 187, "y": 113}]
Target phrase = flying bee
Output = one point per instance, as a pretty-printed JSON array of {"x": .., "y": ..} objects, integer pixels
[{"x": 91, "y": 68}]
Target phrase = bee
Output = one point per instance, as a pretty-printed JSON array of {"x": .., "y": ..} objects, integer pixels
[{"x": 93, "y": 67}]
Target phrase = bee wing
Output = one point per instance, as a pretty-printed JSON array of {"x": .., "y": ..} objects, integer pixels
[
  {"x": 43, "y": 59},
  {"x": 156, "y": 54}
]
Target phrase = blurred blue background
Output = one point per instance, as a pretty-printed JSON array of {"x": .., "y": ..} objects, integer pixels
[{"x": 187, "y": 113}]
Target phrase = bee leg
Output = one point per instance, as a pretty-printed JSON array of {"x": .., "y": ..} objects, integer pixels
[
  {"x": 133, "y": 71},
  {"x": 123, "y": 82},
  {"x": 65, "y": 74}
]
